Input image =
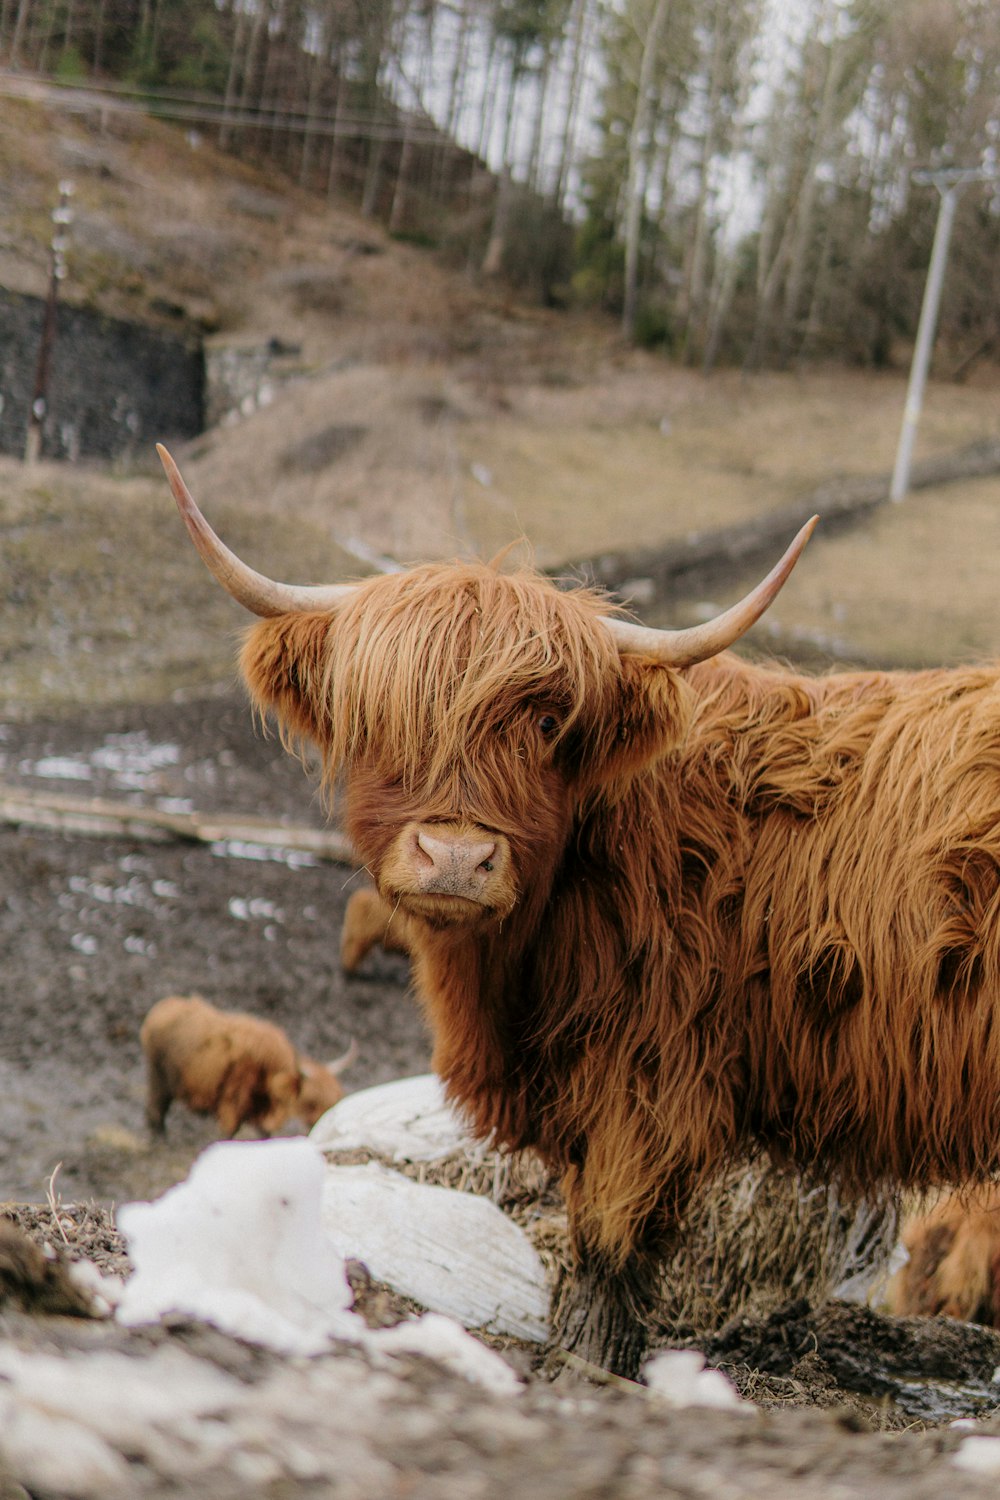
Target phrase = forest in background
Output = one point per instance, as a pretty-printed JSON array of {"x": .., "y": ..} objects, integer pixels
[{"x": 730, "y": 178}]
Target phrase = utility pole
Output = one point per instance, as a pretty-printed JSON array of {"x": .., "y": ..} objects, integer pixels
[
  {"x": 62, "y": 217},
  {"x": 949, "y": 182}
]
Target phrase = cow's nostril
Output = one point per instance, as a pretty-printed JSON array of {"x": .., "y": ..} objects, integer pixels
[{"x": 487, "y": 865}]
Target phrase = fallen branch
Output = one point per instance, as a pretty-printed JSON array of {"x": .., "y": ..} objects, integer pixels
[
  {"x": 599, "y": 1376},
  {"x": 98, "y": 817}
]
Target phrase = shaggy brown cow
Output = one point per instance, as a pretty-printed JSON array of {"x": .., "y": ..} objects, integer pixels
[
  {"x": 954, "y": 1264},
  {"x": 666, "y": 906},
  {"x": 240, "y": 1069},
  {"x": 369, "y": 923}
]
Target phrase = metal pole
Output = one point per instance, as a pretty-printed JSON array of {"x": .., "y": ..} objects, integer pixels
[
  {"x": 62, "y": 216},
  {"x": 925, "y": 339},
  {"x": 949, "y": 182}
]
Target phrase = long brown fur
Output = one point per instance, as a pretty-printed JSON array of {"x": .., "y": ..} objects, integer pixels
[
  {"x": 954, "y": 1260},
  {"x": 753, "y": 908}
]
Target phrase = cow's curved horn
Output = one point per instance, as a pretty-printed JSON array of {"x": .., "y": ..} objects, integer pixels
[
  {"x": 257, "y": 593},
  {"x": 683, "y": 648},
  {"x": 345, "y": 1059}
]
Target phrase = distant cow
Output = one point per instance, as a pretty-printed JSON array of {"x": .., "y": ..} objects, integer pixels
[
  {"x": 954, "y": 1264},
  {"x": 240, "y": 1069},
  {"x": 666, "y": 907},
  {"x": 369, "y": 923}
]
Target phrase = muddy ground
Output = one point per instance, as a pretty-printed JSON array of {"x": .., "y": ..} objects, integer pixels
[{"x": 94, "y": 931}]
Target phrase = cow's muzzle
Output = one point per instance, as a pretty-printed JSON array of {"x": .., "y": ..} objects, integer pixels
[{"x": 437, "y": 869}]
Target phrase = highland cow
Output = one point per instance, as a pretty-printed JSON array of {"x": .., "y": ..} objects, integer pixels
[
  {"x": 369, "y": 923},
  {"x": 665, "y": 906},
  {"x": 240, "y": 1069},
  {"x": 954, "y": 1260}
]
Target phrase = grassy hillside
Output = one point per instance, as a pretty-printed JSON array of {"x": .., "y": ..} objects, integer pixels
[{"x": 425, "y": 415}]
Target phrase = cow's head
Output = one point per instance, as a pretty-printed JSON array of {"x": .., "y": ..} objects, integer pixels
[{"x": 470, "y": 713}]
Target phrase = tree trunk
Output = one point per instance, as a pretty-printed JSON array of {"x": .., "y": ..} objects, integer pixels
[
  {"x": 580, "y": 44},
  {"x": 397, "y": 212},
  {"x": 806, "y": 207},
  {"x": 333, "y": 170},
  {"x": 634, "y": 193},
  {"x": 231, "y": 77},
  {"x": 373, "y": 176},
  {"x": 18, "y": 37},
  {"x": 493, "y": 258},
  {"x": 316, "y": 73},
  {"x": 695, "y": 283}
]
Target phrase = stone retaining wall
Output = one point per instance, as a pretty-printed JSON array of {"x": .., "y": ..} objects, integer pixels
[{"x": 114, "y": 386}]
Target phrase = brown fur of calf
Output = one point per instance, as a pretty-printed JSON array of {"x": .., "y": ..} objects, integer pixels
[
  {"x": 370, "y": 923},
  {"x": 240, "y": 1069},
  {"x": 954, "y": 1264}
]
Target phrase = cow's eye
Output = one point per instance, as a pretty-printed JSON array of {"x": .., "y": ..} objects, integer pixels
[{"x": 547, "y": 724}]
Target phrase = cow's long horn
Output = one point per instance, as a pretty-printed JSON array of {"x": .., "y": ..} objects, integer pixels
[
  {"x": 683, "y": 648},
  {"x": 259, "y": 594}
]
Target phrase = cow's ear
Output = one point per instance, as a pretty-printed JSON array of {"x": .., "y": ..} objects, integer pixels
[
  {"x": 282, "y": 663},
  {"x": 648, "y": 718}
]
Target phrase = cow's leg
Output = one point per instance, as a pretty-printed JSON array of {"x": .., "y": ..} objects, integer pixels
[
  {"x": 158, "y": 1095},
  {"x": 614, "y": 1300},
  {"x": 369, "y": 921},
  {"x": 606, "y": 1312}
]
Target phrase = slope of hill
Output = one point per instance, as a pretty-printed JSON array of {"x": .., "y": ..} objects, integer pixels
[{"x": 427, "y": 414}]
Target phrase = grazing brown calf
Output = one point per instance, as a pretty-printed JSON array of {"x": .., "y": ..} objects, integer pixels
[
  {"x": 240, "y": 1069},
  {"x": 369, "y": 923},
  {"x": 666, "y": 907},
  {"x": 954, "y": 1264}
]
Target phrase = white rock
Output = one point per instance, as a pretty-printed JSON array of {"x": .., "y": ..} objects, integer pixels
[
  {"x": 408, "y": 1120},
  {"x": 679, "y": 1377},
  {"x": 454, "y": 1253},
  {"x": 240, "y": 1244}
]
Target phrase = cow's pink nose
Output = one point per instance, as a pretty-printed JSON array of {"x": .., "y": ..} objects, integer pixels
[{"x": 454, "y": 856}]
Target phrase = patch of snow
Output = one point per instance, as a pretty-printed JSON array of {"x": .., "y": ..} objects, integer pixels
[
  {"x": 679, "y": 1377},
  {"x": 240, "y": 1243},
  {"x": 256, "y": 908},
  {"x": 443, "y": 1340},
  {"x": 978, "y": 1455},
  {"x": 294, "y": 859},
  {"x": 57, "y": 768}
]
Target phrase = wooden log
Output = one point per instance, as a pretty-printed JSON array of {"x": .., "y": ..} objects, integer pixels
[{"x": 101, "y": 818}]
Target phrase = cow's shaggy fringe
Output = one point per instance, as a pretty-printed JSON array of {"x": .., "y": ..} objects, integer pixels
[{"x": 443, "y": 657}]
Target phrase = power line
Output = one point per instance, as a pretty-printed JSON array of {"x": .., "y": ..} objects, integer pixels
[{"x": 201, "y": 110}]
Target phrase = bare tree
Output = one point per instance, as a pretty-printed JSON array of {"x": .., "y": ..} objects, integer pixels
[{"x": 638, "y": 150}]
